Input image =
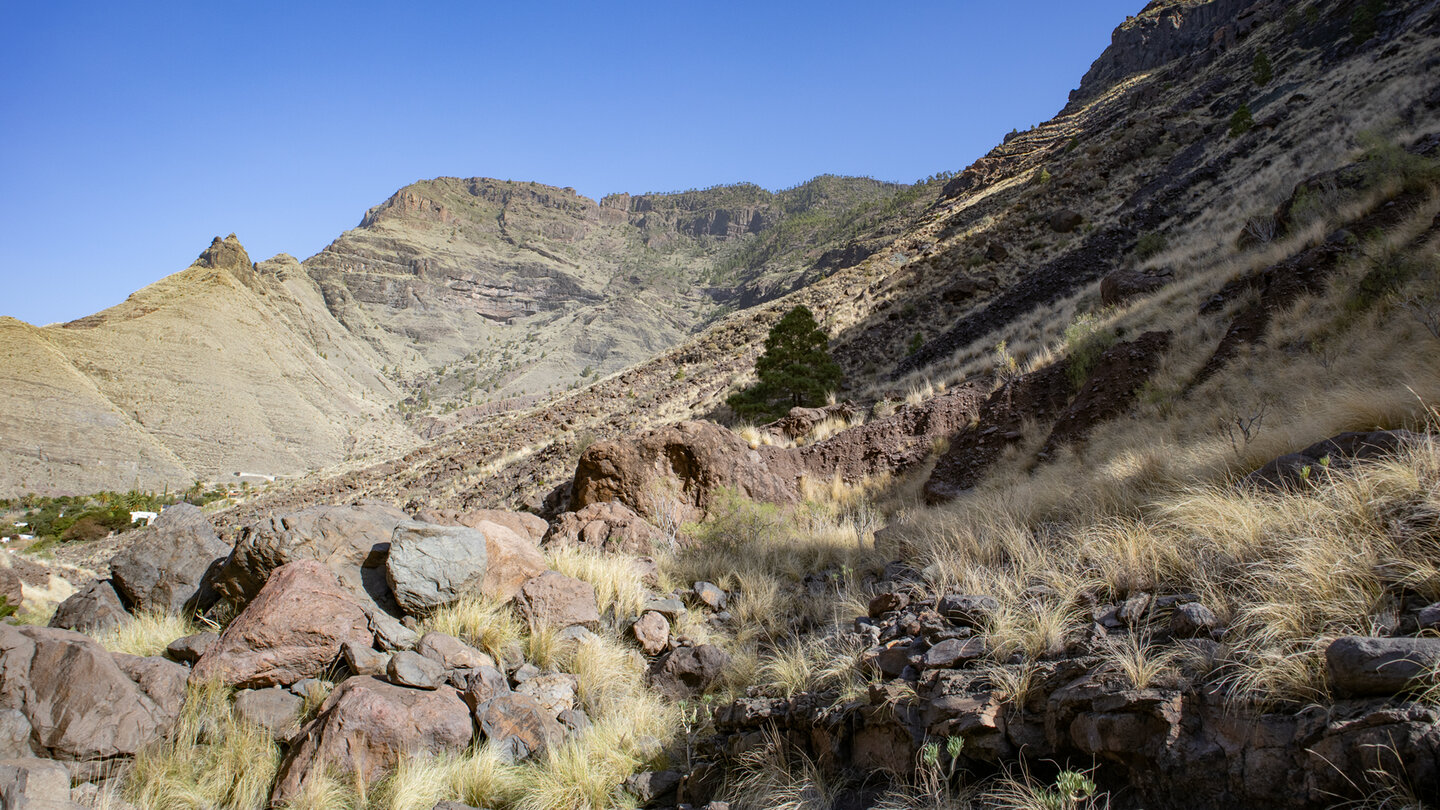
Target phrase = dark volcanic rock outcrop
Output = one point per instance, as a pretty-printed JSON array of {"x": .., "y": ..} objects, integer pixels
[{"x": 163, "y": 570}]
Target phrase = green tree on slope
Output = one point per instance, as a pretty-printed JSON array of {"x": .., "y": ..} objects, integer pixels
[{"x": 796, "y": 369}]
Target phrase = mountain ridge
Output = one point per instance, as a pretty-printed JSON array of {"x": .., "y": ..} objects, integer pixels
[{"x": 452, "y": 299}]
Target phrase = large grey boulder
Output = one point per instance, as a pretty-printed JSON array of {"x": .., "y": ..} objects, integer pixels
[
  {"x": 366, "y": 725},
  {"x": 414, "y": 670},
  {"x": 82, "y": 704},
  {"x": 1294, "y": 470},
  {"x": 1361, "y": 665},
  {"x": 95, "y": 609},
  {"x": 431, "y": 566},
  {"x": 689, "y": 671},
  {"x": 163, "y": 570},
  {"x": 276, "y": 710}
]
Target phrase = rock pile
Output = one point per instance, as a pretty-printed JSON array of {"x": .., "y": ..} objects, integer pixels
[{"x": 1174, "y": 743}]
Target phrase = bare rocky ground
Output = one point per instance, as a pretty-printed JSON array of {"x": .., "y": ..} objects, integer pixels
[{"x": 1191, "y": 565}]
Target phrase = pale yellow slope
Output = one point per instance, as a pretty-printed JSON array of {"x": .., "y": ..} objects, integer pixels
[
  {"x": 58, "y": 432},
  {"x": 226, "y": 368}
]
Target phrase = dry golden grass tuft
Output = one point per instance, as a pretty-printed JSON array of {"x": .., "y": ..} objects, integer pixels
[
  {"x": 488, "y": 624},
  {"x": 212, "y": 759},
  {"x": 146, "y": 634},
  {"x": 775, "y": 775},
  {"x": 616, "y": 578}
]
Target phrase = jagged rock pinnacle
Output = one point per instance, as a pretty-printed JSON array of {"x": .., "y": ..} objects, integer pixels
[{"x": 225, "y": 254}]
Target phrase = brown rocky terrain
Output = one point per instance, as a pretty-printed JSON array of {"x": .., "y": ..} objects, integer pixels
[{"x": 1146, "y": 517}]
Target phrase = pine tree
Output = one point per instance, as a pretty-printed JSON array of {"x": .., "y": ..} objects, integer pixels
[
  {"x": 1260, "y": 69},
  {"x": 795, "y": 370}
]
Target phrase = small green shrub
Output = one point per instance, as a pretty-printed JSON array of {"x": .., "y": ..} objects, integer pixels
[
  {"x": 1389, "y": 271},
  {"x": 1150, "y": 244},
  {"x": 1261, "y": 70},
  {"x": 1085, "y": 341},
  {"x": 1363, "y": 23},
  {"x": 1242, "y": 121},
  {"x": 1385, "y": 160},
  {"x": 916, "y": 343},
  {"x": 736, "y": 522}
]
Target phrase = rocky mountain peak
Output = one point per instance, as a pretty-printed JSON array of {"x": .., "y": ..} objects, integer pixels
[
  {"x": 225, "y": 254},
  {"x": 1166, "y": 30}
]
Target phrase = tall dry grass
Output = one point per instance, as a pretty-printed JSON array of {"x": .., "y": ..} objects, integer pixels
[{"x": 211, "y": 759}]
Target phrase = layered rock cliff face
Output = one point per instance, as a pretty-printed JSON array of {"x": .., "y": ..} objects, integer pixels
[{"x": 476, "y": 290}]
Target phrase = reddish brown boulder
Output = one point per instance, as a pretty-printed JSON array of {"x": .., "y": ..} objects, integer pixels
[
  {"x": 451, "y": 652},
  {"x": 522, "y": 523},
  {"x": 513, "y": 557},
  {"x": 80, "y": 703},
  {"x": 294, "y": 629},
  {"x": 652, "y": 631},
  {"x": 1119, "y": 286},
  {"x": 608, "y": 526},
  {"x": 31, "y": 783},
  {"x": 519, "y": 726},
  {"x": 366, "y": 725},
  {"x": 687, "y": 462},
  {"x": 559, "y": 601},
  {"x": 1065, "y": 220}
]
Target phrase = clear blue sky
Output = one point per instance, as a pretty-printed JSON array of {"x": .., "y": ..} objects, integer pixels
[{"x": 131, "y": 133}]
